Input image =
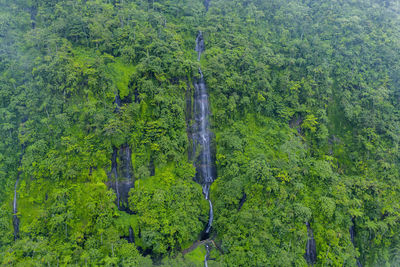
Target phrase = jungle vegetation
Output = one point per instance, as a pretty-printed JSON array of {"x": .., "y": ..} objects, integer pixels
[{"x": 305, "y": 109}]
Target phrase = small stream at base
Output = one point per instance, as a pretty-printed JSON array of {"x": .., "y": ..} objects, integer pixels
[{"x": 208, "y": 249}]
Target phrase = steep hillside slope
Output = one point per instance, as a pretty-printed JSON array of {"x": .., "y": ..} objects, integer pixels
[{"x": 118, "y": 133}]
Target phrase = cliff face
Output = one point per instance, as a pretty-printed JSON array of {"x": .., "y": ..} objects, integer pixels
[{"x": 121, "y": 178}]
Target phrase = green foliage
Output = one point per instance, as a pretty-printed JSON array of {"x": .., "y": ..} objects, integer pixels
[
  {"x": 168, "y": 207},
  {"x": 305, "y": 111}
]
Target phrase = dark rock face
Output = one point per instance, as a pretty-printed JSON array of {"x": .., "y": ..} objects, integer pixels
[
  {"x": 121, "y": 178},
  {"x": 311, "y": 248}
]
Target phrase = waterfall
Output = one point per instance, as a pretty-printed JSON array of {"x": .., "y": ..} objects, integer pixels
[
  {"x": 352, "y": 232},
  {"x": 202, "y": 135},
  {"x": 311, "y": 248},
  {"x": 121, "y": 178},
  {"x": 15, "y": 218},
  {"x": 128, "y": 161},
  {"x": 131, "y": 238},
  {"x": 114, "y": 172},
  {"x": 199, "y": 45},
  {"x": 210, "y": 217}
]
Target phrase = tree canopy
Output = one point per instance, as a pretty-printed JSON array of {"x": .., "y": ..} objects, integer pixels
[{"x": 304, "y": 108}]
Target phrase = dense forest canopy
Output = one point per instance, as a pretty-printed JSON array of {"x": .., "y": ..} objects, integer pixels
[{"x": 96, "y": 119}]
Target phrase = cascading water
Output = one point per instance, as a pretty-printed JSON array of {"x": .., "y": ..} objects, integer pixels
[
  {"x": 311, "y": 248},
  {"x": 121, "y": 176},
  {"x": 205, "y": 170},
  {"x": 126, "y": 151},
  {"x": 199, "y": 46},
  {"x": 115, "y": 173},
  {"x": 352, "y": 232},
  {"x": 202, "y": 135},
  {"x": 15, "y": 218},
  {"x": 131, "y": 238}
]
